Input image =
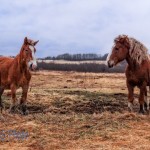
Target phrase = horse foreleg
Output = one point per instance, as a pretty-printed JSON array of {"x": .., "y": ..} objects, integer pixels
[
  {"x": 24, "y": 99},
  {"x": 142, "y": 97},
  {"x": 130, "y": 96},
  {"x": 13, "y": 95},
  {"x": 1, "y": 104}
]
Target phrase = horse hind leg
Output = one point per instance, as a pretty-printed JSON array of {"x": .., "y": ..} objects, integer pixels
[{"x": 146, "y": 102}]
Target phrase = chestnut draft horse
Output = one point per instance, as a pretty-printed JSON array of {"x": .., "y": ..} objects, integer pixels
[
  {"x": 138, "y": 69},
  {"x": 15, "y": 73}
]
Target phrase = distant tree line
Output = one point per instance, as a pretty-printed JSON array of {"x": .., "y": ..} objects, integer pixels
[
  {"x": 77, "y": 57},
  {"x": 90, "y": 66},
  {"x": 82, "y": 67}
]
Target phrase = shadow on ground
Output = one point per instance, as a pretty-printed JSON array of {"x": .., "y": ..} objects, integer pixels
[
  {"x": 89, "y": 102},
  {"x": 84, "y": 102}
]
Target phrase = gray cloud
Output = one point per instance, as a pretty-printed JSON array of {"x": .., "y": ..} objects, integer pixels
[{"x": 74, "y": 26}]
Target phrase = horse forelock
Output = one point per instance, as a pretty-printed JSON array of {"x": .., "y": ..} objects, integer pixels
[
  {"x": 30, "y": 42},
  {"x": 119, "y": 38},
  {"x": 22, "y": 50},
  {"x": 138, "y": 52}
]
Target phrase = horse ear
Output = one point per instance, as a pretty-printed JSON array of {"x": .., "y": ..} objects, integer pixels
[
  {"x": 126, "y": 41},
  {"x": 25, "y": 40},
  {"x": 123, "y": 39},
  {"x": 35, "y": 42}
]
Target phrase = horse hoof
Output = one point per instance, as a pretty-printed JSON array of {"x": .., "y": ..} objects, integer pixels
[
  {"x": 25, "y": 113},
  {"x": 12, "y": 109},
  {"x": 24, "y": 110},
  {"x": 1, "y": 109},
  {"x": 147, "y": 112},
  {"x": 2, "y": 118},
  {"x": 130, "y": 110},
  {"x": 142, "y": 112},
  {"x": 145, "y": 106}
]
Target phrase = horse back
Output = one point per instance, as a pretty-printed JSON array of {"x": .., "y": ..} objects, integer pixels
[
  {"x": 10, "y": 73},
  {"x": 5, "y": 64},
  {"x": 5, "y": 61}
]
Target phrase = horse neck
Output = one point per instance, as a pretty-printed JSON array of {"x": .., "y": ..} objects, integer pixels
[
  {"x": 133, "y": 65},
  {"x": 21, "y": 63}
]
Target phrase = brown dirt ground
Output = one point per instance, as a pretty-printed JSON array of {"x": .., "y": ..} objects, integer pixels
[{"x": 76, "y": 111}]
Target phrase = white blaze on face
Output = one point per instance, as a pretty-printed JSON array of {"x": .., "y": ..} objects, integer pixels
[
  {"x": 111, "y": 62},
  {"x": 33, "y": 62},
  {"x": 108, "y": 56}
]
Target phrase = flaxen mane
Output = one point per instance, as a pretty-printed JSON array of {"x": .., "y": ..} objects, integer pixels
[{"x": 137, "y": 51}]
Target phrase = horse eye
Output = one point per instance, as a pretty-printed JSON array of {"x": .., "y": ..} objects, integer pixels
[{"x": 116, "y": 49}]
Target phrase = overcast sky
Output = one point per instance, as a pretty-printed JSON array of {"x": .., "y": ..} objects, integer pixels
[{"x": 72, "y": 26}]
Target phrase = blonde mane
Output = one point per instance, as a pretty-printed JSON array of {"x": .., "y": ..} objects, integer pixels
[{"x": 138, "y": 51}]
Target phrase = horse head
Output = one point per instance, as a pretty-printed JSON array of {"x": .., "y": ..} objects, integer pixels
[
  {"x": 28, "y": 53},
  {"x": 119, "y": 50}
]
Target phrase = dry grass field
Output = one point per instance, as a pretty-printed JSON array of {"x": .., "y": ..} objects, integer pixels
[{"x": 76, "y": 111}]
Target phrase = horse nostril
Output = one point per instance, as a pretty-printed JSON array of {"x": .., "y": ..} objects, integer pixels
[
  {"x": 31, "y": 65},
  {"x": 110, "y": 65}
]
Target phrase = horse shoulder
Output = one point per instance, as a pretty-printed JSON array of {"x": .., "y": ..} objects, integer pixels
[{"x": 28, "y": 76}]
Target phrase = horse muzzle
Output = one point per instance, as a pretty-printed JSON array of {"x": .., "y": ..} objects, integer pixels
[
  {"x": 32, "y": 67},
  {"x": 110, "y": 63}
]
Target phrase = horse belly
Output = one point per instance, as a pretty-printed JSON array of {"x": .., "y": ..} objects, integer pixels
[
  {"x": 136, "y": 81},
  {"x": 5, "y": 84}
]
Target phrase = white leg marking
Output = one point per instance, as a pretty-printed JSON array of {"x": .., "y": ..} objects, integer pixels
[
  {"x": 130, "y": 106},
  {"x": 146, "y": 101}
]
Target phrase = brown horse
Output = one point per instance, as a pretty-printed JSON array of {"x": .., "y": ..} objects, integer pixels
[
  {"x": 15, "y": 73},
  {"x": 138, "y": 69}
]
